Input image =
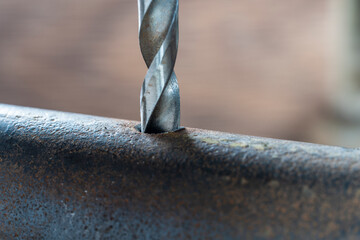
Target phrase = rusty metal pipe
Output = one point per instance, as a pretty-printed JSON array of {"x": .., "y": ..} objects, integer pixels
[{"x": 73, "y": 176}]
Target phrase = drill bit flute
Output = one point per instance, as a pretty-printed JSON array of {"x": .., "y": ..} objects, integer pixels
[{"x": 158, "y": 35}]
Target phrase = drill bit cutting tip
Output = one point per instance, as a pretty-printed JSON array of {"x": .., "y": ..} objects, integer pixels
[{"x": 158, "y": 36}]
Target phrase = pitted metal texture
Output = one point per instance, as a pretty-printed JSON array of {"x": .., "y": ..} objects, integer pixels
[{"x": 74, "y": 176}]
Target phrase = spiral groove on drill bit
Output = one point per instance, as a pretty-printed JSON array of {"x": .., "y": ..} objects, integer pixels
[{"x": 158, "y": 35}]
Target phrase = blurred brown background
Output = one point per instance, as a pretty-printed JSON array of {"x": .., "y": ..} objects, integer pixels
[{"x": 252, "y": 66}]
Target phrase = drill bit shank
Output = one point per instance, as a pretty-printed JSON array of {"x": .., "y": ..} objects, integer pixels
[{"x": 158, "y": 35}]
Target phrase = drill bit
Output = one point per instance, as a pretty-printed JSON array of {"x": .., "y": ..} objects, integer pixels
[{"x": 158, "y": 36}]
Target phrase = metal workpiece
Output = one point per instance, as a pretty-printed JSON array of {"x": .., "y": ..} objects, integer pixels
[
  {"x": 158, "y": 35},
  {"x": 73, "y": 176}
]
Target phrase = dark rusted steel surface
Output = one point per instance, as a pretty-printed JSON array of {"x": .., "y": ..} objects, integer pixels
[{"x": 72, "y": 176}]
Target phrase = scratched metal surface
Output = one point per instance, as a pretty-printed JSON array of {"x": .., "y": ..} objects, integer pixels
[{"x": 72, "y": 176}]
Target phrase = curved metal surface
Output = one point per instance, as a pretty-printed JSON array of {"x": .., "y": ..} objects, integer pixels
[
  {"x": 158, "y": 35},
  {"x": 73, "y": 176}
]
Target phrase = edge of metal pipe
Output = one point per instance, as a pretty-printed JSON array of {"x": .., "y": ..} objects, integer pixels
[{"x": 66, "y": 175}]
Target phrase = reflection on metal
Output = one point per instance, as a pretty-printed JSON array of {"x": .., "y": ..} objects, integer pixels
[
  {"x": 158, "y": 34},
  {"x": 73, "y": 176}
]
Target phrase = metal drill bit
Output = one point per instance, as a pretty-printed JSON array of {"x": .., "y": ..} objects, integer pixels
[{"x": 158, "y": 35}]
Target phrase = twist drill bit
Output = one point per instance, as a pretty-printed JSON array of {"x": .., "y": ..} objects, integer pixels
[{"x": 158, "y": 35}]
